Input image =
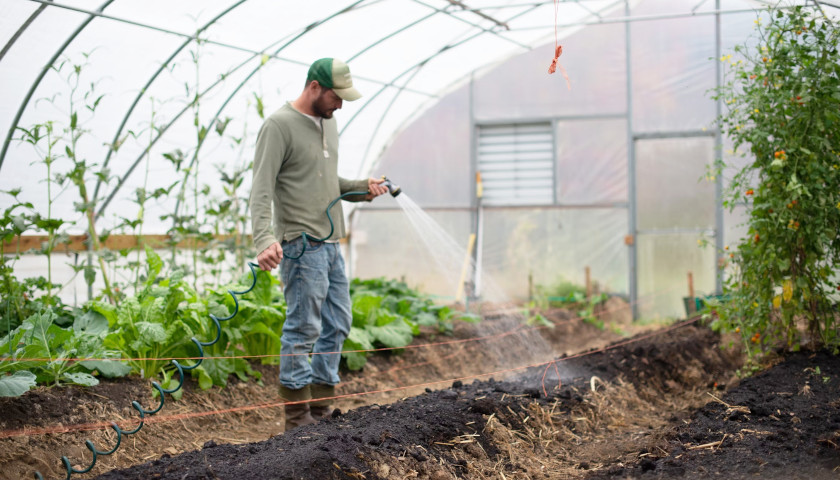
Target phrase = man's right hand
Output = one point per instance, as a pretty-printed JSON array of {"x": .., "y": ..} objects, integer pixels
[{"x": 270, "y": 257}]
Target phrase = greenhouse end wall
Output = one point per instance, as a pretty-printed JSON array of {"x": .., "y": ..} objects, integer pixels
[{"x": 633, "y": 202}]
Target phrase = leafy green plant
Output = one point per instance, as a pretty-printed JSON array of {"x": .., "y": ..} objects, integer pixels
[
  {"x": 375, "y": 325},
  {"x": 157, "y": 323},
  {"x": 568, "y": 295},
  {"x": 262, "y": 313},
  {"x": 253, "y": 332},
  {"x": 36, "y": 136},
  {"x": 49, "y": 352},
  {"x": 587, "y": 312},
  {"x": 22, "y": 297},
  {"x": 387, "y": 313},
  {"x": 557, "y": 294},
  {"x": 783, "y": 99},
  {"x": 534, "y": 317},
  {"x": 229, "y": 216},
  {"x": 133, "y": 267}
]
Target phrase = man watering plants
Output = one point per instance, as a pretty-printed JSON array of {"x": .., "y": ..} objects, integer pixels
[{"x": 296, "y": 173}]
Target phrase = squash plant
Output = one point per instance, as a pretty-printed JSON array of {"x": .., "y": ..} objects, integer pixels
[{"x": 783, "y": 99}]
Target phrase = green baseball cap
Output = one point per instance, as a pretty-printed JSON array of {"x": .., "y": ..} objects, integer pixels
[{"x": 335, "y": 74}]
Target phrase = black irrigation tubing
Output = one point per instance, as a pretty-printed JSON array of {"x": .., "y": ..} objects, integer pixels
[{"x": 142, "y": 411}]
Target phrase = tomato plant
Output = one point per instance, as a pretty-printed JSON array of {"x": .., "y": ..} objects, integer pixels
[{"x": 782, "y": 94}]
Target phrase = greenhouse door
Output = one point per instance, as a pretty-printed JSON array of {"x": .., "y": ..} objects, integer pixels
[{"x": 675, "y": 221}]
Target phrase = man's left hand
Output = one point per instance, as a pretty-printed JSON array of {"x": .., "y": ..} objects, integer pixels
[{"x": 375, "y": 188}]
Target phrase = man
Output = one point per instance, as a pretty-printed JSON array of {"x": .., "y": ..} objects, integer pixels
[{"x": 296, "y": 172}]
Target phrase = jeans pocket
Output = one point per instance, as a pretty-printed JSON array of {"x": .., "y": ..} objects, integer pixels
[{"x": 313, "y": 245}]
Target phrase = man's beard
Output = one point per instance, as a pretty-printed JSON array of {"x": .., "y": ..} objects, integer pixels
[{"x": 320, "y": 109}]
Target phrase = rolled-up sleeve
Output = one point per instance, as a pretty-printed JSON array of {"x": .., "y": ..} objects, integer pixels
[
  {"x": 346, "y": 186},
  {"x": 268, "y": 159}
]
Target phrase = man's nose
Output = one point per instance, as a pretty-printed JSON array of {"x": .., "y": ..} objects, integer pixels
[{"x": 340, "y": 103}]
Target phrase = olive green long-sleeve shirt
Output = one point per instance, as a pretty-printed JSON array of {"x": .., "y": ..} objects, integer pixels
[{"x": 296, "y": 172}]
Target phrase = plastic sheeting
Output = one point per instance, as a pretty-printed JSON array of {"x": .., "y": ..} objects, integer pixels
[
  {"x": 592, "y": 162},
  {"x": 547, "y": 246},
  {"x": 673, "y": 191},
  {"x": 552, "y": 246},
  {"x": 664, "y": 263},
  {"x": 522, "y": 89},
  {"x": 430, "y": 159},
  {"x": 672, "y": 71}
]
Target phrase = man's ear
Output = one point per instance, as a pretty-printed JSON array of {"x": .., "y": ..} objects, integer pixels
[{"x": 314, "y": 86}]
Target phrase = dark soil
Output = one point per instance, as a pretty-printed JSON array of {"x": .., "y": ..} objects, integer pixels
[
  {"x": 420, "y": 435},
  {"x": 43, "y": 408},
  {"x": 783, "y": 423}
]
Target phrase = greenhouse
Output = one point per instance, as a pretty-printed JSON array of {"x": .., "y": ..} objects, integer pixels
[{"x": 562, "y": 177}]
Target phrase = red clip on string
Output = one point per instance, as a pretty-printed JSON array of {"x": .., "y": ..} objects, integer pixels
[{"x": 558, "y": 50}]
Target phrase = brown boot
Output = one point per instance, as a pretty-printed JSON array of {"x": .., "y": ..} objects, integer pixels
[
  {"x": 321, "y": 408},
  {"x": 297, "y": 414}
]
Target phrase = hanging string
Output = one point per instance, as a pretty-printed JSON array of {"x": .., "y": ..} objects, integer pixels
[{"x": 558, "y": 50}]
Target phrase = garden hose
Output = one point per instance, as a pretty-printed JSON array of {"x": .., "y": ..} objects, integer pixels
[
  {"x": 142, "y": 411},
  {"x": 393, "y": 189}
]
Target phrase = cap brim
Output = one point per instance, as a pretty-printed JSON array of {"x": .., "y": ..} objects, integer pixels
[{"x": 348, "y": 94}]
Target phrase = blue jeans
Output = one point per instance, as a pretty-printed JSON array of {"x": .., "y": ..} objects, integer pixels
[{"x": 318, "y": 313}]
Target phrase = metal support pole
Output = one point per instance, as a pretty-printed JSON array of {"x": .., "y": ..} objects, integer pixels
[
  {"x": 719, "y": 240},
  {"x": 475, "y": 201},
  {"x": 631, "y": 175},
  {"x": 479, "y": 244}
]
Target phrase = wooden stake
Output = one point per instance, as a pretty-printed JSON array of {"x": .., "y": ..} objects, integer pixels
[
  {"x": 690, "y": 285},
  {"x": 588, "y": 282},
  {"x": 530, "y": 286},
  {"x": 465, "y": 269}
]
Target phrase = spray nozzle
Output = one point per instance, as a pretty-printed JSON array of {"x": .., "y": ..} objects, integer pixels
[{"x": 394, "y": 190}]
